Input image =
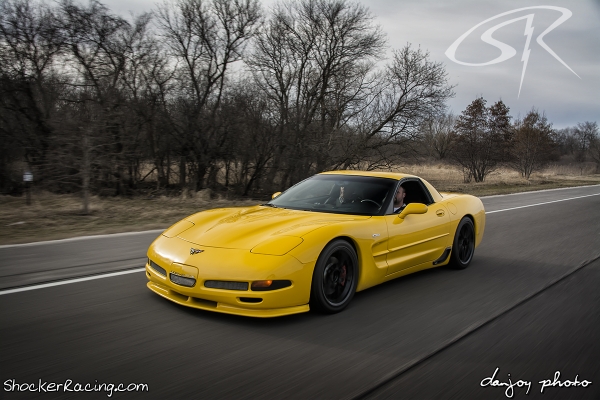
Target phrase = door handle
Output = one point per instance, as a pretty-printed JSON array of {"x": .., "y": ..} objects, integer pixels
[{"x": 440, "y": 213}]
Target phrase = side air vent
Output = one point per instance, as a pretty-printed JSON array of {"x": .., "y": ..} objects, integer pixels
[
  {"x": 251, "y": 299},
  {"x": 443, "y": 257}
]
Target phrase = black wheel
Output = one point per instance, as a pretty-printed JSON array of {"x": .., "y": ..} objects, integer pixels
[
  {"x": 335, "y": 277},
  {"x": 464, "y": 244}
]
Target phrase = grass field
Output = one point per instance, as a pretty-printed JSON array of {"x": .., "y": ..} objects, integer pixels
[
  {"x": 53, "y": 216},
  {"x": 504, "y": 181}
]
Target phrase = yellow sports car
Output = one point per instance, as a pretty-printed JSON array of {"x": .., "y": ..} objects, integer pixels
[{"x": 314, "y": 245}]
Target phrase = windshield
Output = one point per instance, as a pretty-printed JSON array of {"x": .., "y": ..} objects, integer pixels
[{"x": 340, "y": 194}]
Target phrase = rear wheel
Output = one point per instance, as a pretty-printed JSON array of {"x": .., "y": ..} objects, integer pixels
[
  {"x": 335, "y": 277},
  {"x": 463, "y": 247}
]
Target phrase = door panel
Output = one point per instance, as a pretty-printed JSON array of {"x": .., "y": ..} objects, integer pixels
[{"x": 417, "y": 238}]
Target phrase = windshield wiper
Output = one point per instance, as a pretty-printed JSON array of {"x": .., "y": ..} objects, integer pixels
[{"x": 269, "y": 205}]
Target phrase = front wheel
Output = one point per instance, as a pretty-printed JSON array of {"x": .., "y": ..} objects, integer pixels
[
  {"x": 463, "y": 247},
  {"x": 334, "y": 278}
]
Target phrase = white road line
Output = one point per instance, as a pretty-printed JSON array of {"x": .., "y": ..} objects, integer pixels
[
  {"x": 87, "y": 278},
  {"x": 538, "y": 191},
  {"x": 539, "y": 204},
  {"x": 80, "y": 238}
]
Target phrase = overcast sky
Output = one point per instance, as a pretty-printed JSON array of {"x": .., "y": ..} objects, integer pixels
[{"x": 568, "y": 93}]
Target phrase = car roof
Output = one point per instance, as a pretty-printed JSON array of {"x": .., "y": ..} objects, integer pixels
[{"x": 378, "y": 174}]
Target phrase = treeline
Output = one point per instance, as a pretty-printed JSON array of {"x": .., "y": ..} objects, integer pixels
[
  {"x": 483, "y": 138},
  {"x": 200, "y": 94},
  {"x": 223, "y": 95}
]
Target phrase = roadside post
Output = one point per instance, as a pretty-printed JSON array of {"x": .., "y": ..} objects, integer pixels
[{"x": 28, "y": 178}]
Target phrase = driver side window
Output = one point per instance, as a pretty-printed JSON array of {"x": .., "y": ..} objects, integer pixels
[{"x": 415, "y": 192}]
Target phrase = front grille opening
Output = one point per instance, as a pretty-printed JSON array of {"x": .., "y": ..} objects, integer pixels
[
  {"x": 204, "y": 302},
  {"x": 229, "y": 285},
  {"x": 251, "y": 299},
  {"x": 182, "y": 280},
  {"x": 158, "y": 269}
]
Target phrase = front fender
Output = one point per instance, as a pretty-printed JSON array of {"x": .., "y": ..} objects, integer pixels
[{"x": 369, "y": 239}]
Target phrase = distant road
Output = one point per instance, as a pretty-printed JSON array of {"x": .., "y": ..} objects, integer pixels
[{"x": 519, "y": 306}]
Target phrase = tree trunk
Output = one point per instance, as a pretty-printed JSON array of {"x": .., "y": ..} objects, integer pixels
[
  {"x": 182, "y": 172},
  {"x": 86, "y": 171}
]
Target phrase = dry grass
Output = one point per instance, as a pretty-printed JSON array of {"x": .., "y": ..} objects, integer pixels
[
  {"x": 59, "y": 216},
  {"x": 503, "y": 181},
  {"x": 53, "y": 216}
]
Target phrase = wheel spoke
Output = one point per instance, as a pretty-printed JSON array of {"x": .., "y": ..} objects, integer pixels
[
  {"x": 465, "y": 244},
  {"x": 338, "y": 277}
]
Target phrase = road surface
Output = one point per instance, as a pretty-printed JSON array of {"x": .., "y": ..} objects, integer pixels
[{"x": 528, "y": 305}]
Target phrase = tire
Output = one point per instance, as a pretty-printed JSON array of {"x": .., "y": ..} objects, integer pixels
[
  {"x": 335, "y": 278},
  {"x": 463, "y": 247}
]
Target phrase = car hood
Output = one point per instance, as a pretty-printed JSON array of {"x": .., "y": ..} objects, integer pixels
[{"x": 244, "y": 228}]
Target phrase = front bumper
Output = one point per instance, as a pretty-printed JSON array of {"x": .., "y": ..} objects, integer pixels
[
  {"x": 223, "y": 307},
  {"x": 173, "y": 255}
]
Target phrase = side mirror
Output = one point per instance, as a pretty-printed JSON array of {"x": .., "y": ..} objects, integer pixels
[
  {"x": 275, "y": 195},
  {"x": 413, "y": 208}
]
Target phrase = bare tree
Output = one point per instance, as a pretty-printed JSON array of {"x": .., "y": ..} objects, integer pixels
[
  {"x": 314, "y": 60},
  {"x": 565, "y": 141},
  {"x": 411, "y": 90},
  {"x": 438, "y": 132},
  {"x": 245, "y": 113},
  {"x": 531, "y": 143},
  {"x": 594, "y": 147},
  {"x": 479, "y": 145},
  {"x": 146, "y": 84},
  {"x": 95, "y": 62},
  {"x": 584, "y": 133},
  {"x": 66, "y": 83},
  {"x": 205, "y": 38},
  {"x": 29, "y": 46}
]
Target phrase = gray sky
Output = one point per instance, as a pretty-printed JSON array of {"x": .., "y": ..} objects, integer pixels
[{"x": 547, "y": 85}]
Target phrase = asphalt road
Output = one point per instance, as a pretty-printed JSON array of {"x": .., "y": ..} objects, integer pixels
[
  {"x": 529, "y": 305},
  {"x": 32, "y": 263}
]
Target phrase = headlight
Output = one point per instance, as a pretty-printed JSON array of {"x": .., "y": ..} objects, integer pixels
[
  {"x": 178, "y": 228},
  {"x": 277, "y": 246}
]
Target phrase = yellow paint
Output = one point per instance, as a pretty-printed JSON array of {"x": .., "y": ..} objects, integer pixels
[{"x": 264, "y": 243}]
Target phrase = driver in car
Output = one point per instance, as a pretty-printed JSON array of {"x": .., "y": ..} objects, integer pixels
[{"x": 399, "y": 200}]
